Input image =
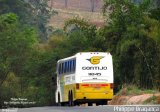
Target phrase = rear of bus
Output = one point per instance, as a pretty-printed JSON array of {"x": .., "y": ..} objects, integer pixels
[{"x": 94, "y": 77}]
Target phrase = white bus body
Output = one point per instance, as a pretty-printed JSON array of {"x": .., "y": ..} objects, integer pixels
[{"x": 85, "y": 77}]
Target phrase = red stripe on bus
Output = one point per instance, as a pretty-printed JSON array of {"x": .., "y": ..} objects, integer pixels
[
  {"x": 104, "y": 84},
  {"x": 85, "y": 84}
]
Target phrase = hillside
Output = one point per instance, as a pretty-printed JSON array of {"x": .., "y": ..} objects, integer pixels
[
  {"x": 80, "y": 5},
  {"x": 57, "y": 21},
  {"x": 76, "y": 8}
]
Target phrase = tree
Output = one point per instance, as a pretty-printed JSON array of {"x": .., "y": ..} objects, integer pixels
[
  {"x": 128, "y": 40},
  {"x": 81, "y": 34},
  {"x": 41, "y": 14},
  {"x": 15, "y": 40},
  {"x": 30, "y": 12}
]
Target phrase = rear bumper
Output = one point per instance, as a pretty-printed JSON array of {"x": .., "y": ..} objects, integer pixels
[{"x": 93, "y": 96}]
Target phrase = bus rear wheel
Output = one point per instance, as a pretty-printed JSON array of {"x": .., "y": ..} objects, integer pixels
[{"x": 70, "y": 99}]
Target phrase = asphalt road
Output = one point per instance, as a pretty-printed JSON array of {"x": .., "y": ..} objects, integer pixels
[
  {"x": 62, "y": 109},
  {"x": 107, "y": 108}
]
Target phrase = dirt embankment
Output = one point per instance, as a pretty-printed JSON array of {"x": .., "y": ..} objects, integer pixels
[{"x": 124, "y": 97}]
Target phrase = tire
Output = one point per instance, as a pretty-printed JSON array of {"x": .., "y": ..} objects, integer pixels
[
  {"x": 70, "y": 99},
  {"x": 59, "y": 102}
]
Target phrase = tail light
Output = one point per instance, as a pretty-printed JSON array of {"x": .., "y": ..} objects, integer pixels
[
  {"x": 111, "y": 86},
  {"x": 77, "y": 86}
]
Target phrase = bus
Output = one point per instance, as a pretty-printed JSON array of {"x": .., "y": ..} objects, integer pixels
[{"x": 86, "y": 77}]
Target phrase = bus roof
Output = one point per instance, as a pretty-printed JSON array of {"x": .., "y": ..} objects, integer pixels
[{"x": 80, "y": 53}]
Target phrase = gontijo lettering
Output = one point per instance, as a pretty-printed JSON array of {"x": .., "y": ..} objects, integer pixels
[{"x": 94, "y": 68}]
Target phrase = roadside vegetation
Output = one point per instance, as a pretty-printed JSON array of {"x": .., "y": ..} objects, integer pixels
[
  {"x": 28, "y": 53},
  {"x": 133, "y": 90},
  {"x": 133, "y": 95},
  {"x": 152, "y": 100}
]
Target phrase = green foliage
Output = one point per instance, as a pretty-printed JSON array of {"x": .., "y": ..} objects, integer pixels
[
  {"x": 134, "y": 90},
  {"x": 81, "y": 33},
  {"x": 10, "y": 88},
  {"x": 16, "y": 43},
  {"x": 132, "y": 35},
  {"x": 30, "y": 12},
  {"x": 14, "y": 39},
  {"x": 130, "y": 90},
  {"x": 155, "y": 13},
  {"x": 21, "y": 55},
  {"x": 41, "y": 13}
]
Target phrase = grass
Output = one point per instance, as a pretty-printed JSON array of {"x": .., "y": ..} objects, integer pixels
[
  {"x": 134, "y": 90},
  {"x": 151, "y": 100}
]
